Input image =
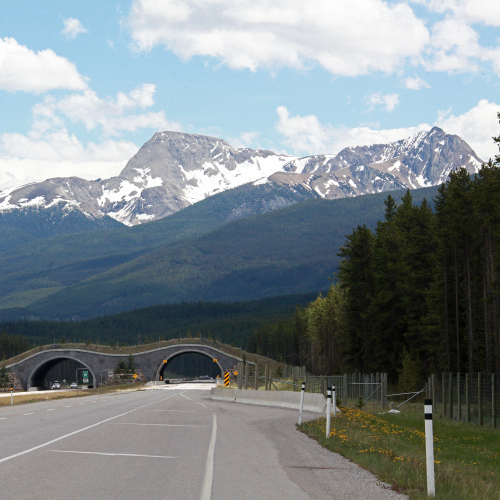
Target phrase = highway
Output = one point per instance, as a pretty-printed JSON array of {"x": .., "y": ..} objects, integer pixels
[{"x": 169, "y": 443}]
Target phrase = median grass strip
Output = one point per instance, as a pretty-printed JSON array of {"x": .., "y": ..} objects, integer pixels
[{"x": 392, "y": 446}]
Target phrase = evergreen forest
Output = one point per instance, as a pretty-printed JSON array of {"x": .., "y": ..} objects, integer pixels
[{"x": 424, "y": 283}]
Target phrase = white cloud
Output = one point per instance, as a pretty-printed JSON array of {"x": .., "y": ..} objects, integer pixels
[
  {"x": 389, "y": 101},
  {"x": 477, "y": 127},
  {"x": 307, "y": 135},
  {"x": 113, "y": 115},
  {"x": 37, "y": 72},
  {"x": 346, "y": 37},
  {"x": 49, "y": 150},
  {"x": 28, "y": 158},
  {"x": 72, "y": 28},
  {"x": 245, "y": 140},
  {"x": 416, "y": 83},
  {"x": 474, "y": 11}
]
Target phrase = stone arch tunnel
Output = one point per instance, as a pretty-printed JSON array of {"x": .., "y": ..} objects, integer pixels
[{"x": 33, "y": 369}]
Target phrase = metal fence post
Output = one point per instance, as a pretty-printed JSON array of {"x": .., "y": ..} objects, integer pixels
[
  {"x": 270, "y": 379},
  {"x": 240, "y": 375},
  {"x": 256, "y": 376},
  {"x": 459, "y": 398},
  {"x": 247, "y": 367},
  {"x": 443, "y": 389},
  {"x": 493, "y": 401},
  {"x": 328, "y": 411},
  {"x": 266, "y": 376},
  {"x": 480, "y": 397},
  {"x": 384, "y": 389},
  {"x": 344, "y": 390},
  {"x": 429, "y": 449},
  {"x": 450, "y": 396},
  {"x": 334, "y": 400},
  {"x": 302, "y": 401},
  {"x": 467, "y": 396},
  {"x": 433, "y": 395}
]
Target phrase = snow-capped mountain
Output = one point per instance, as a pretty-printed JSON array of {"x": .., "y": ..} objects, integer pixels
[{"x": 173, "y": 170}]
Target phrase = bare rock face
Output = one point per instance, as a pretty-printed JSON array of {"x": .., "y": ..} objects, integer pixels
[{"x": 173, "y": 170}]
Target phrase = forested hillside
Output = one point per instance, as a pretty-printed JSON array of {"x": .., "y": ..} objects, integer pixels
[
  {"x": 227, "y": 322},
  {"x": 425, "y": 280}
]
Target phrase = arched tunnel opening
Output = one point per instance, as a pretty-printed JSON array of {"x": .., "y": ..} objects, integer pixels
[
  {"x": 189, "y": 365},
  {"x": 63, "y": 370}
]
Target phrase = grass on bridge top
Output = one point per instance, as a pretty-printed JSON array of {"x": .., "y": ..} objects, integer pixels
[{"x": 392, "y": 446}]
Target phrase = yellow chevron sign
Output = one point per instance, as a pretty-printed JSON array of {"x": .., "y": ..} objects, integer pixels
[{"x": 226, "y": 378}]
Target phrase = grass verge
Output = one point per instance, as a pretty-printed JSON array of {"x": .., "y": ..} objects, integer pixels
[
  {"x": 36, "y": 398},
  {"x": 392, "y": 446}
]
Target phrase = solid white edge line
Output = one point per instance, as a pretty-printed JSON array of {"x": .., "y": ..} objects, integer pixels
[
  {"x": 158, "y": 425},
  {"x": 206, "y": 491},
  {"x": 110, "y": 454},
  {"x": 182, "y": 394},
  {"x": 71, "y": 433}
]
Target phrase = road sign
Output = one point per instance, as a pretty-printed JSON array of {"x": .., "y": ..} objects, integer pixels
[
  {"x": 135, "y": 375},
  {"x": 215, "y": 360},
  {"x": 235, "y": 373},
  {"x": 164, "y": 360},
  {"x": 110, "y": 373},
  {"x": 85, "y": 374},
  {"x": 226, "y": 378},
  {"x": 85, "y": 380},
  {"x": 217, "y": 377}
]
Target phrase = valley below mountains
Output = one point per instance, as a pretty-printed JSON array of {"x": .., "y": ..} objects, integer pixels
[{"x": 191, "y": 218}]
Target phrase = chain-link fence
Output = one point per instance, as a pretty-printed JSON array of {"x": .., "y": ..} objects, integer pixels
[{"x": 466, "y": 397}]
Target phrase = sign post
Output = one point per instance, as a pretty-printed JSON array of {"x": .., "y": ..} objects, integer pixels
[
  {"x": 328, "y": 411},
  {"x": 429, "y": 449},
  {"x": 302, "y": 401}
]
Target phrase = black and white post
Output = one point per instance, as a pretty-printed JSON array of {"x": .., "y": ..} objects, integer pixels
[
  {"x": 334, "y": 400},
  {"x": 12, "y": 396},
  {"x": 429, "y": 449},
  {"x": 302, "y": 401},
  {"x": 328, "y": 411}
]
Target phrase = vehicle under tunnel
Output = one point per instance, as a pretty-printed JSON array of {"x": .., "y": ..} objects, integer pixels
[
  {"x": 189, "y": 365},
  {"x": 64, "y": 370}
]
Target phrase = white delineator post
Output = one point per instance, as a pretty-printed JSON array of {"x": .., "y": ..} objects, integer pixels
[
  {"x": 328, "y": 411},
  {"x": 302, "y": 401},
  {"x": 429, "y": 449},
  {"x": 334, "y": 400},
  {"x": 11, "y": 396}
]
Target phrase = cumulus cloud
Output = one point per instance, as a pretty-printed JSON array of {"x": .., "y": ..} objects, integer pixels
[
  {"x": 416, "y": 83},
  {"x": 72, "y": 28},
  {"x": 476, "y": 126},
  {"x": 474, "y": 11},
  {"x": 37, "y": 72},
  {"x": 307, "y": 135},
  {"x": 114, "y": 115},
  {"x": 346, "y": 37},
  {"x": 50, "y": 150}
]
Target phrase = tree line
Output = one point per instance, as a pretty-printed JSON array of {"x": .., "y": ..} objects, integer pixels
[{"x": 424, "y": 282}]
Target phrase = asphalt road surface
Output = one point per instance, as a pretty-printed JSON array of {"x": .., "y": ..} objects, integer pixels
[{"x": 168, "y": 443}]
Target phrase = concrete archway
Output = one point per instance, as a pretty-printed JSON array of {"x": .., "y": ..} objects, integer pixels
[
  {"x": 162, "y": 367},
  {"x": 39, "y": 373}
]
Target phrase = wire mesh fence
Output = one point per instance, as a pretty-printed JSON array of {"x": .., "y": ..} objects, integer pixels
[
  {"x": 466, "y": 397},
  {"x": 371, "y": 387}
]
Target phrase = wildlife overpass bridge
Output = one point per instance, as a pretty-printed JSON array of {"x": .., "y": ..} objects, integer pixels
[{"x": 32, "y": 370}]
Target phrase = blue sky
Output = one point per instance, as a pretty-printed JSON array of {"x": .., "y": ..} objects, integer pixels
[{"x": 84, "y": 84}]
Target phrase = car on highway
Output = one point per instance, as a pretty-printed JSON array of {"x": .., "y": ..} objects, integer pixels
[
  {"x": 73, "y": 385},
  {"x": 56, "y": 385}
]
